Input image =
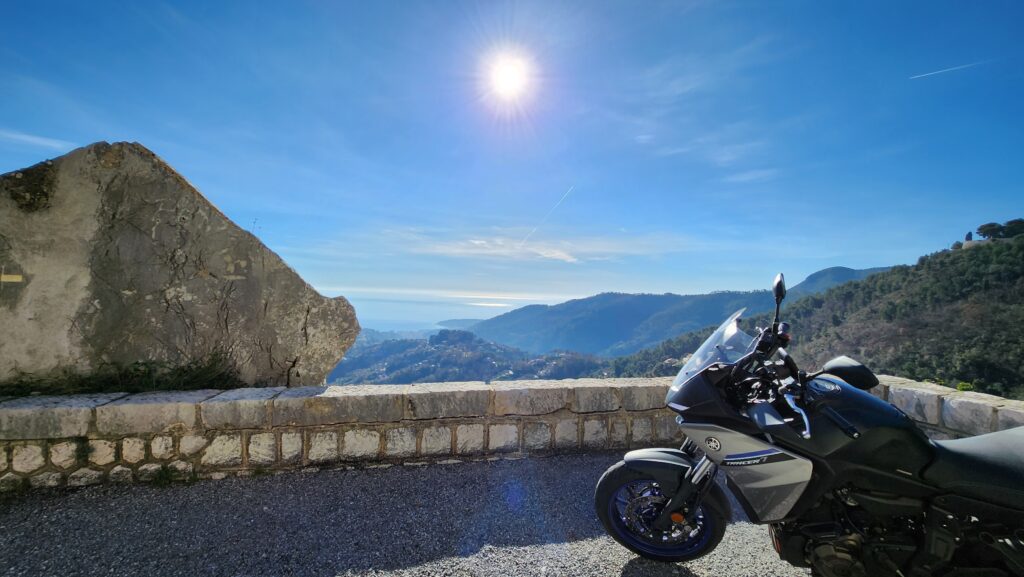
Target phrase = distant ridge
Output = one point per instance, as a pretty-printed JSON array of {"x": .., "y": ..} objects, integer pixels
[{"x": 615, "y": 324}]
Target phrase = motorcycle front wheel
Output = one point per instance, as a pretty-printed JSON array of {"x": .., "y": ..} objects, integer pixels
[{"x": 628, "y": 502}]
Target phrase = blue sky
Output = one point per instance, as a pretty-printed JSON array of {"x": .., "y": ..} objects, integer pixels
[{"x": 707, "y": 145}]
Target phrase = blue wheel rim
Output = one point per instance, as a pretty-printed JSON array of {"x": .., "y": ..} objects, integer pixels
[{"x": 689, "y": 546}]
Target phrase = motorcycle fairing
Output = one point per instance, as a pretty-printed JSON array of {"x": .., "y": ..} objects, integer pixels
[{"x": 770, "y": 479}]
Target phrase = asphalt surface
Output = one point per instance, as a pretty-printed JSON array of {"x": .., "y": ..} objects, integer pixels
[{"x": 509, "y": 518}]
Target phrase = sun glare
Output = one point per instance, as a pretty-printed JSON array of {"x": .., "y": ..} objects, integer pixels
[{"x": 509, "y": 77}]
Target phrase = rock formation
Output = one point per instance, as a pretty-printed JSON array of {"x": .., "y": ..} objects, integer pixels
[{"x": 107, "y": 255}]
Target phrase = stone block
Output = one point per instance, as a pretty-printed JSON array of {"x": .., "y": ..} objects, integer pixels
[
  {"x": 446, "y": 400},
  {"x": 360, "y": 444},
  {"x": 45, "y": 480},
  {"x": 595, "y": 433},
  {"x": 400, "y": 442},
  {"x": 310, "y": 406},
  {"x": 3, "y": 458},
  {"x": 436, "y": 441},
  {"x": 666, "y": 429},
  {"x": 83, "y": 477},
  {"x": 162, "y": 447},
  {"x": 101, "y": 452},
  {"x": 567, "y": 435},
  {"x": 1008, "y": 416},
  {"x": 469, "y": 439},
  {"x": 594, "y": 395},
  {"x": 530, "y": 397},
  {"x": 27, "y": 458},
  {"x": 503, "y": 438},
  {"x": 262, "y": 449},
  {"x": 64, "y": 455},
  {"x": 536, "y": 436},
  {"x": 642, "y": 395},
  {"x": 642, "y": 431},
  {"x": 247, "y": 408},
  {"x": 971, "y": 413},
  {"x": 50, "y": 417},
  {"x": 149, "y": 471},
  {"x": 224, "y": 451},
  {"x": 323, "y": 447},
  {"x": 920, "y": 403},
  {"x": 189, "y": 445},
  {"x": 120, "y": 474},
  {"x": 180, "y": 470},
  {"x": 154, "y": 412},
  {"x": 291, "y": 447},
  {"x": 11, "y": 482},
  {"x": 618, "y": 433},
  {"x": 133, "y": 450}
]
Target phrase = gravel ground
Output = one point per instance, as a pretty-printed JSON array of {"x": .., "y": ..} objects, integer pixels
[{"x": 509, "y": 518}]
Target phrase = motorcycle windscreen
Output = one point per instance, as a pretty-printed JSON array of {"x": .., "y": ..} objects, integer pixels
[{"x": 770, "y": 479}]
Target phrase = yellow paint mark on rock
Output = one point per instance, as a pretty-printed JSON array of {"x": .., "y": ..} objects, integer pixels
[{"x": 11, "y": 278}]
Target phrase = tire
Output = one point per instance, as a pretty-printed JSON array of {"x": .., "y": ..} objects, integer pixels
[{"x": 714, "y": 518}]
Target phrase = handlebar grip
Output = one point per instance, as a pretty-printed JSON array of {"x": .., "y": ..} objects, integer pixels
[{"x": 789, "y": 362}]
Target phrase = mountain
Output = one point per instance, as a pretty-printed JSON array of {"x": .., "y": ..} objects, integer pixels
[
  {"x": 614, "y": 324},
  {"x": 957, "y": 316},
  {"x": 453, "y": 355},
  {"x": 827, "y": 278}
]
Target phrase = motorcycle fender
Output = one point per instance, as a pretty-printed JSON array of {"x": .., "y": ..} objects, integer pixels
[{"x": 669, "y": 468}]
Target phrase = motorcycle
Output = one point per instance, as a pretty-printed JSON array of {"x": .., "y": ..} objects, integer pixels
[{"x": 847, "y": 483}]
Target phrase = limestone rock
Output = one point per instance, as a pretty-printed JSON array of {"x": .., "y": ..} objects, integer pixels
[
  {"x": 101, "y": 452},
  {"x": 110, "y": 256},
  {"x": 27, "y": 458},
  {"x": 224, "y": 451},
  {"x": 120, "y": 474},
  {"x": 64, "y": 455},
  {"x": 83, "y": 477}
]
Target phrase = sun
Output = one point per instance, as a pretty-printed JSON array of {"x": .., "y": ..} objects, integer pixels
[{"x": 509, "y": 77}]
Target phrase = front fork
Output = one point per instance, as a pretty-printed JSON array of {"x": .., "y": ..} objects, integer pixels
[{"x": 691, "y": 491}]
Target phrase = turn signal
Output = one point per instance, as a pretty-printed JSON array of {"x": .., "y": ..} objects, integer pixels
[{"x": 677, "y": 517}]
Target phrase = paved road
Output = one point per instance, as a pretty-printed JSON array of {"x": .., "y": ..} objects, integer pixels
[{"x": 502, "y": 518}]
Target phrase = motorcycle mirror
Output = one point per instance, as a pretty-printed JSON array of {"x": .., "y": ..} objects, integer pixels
[{"x": 779, "y": 288}]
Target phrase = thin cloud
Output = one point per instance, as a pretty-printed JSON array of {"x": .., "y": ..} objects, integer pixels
[
  {"x": 945, "y": 70},
  {"x": 35, "y": 140},
  {"x": 762, "y": 175},
  {"x": 489, "y": 305}
]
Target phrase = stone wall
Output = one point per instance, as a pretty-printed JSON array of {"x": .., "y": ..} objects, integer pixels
[{"x": 88, "y": 439}]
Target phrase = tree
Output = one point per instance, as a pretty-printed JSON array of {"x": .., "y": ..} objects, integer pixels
[
  {"x": 1013, "y": 228},
  {"x": 991, "y": 230},
  {"x": 957, "y": 245}
]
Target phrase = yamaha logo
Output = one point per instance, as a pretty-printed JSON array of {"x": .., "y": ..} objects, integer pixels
[{"x": 713, "y": 444}]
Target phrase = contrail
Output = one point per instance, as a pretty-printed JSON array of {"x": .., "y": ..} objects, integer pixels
[
  {"x": 961, "y": 67},
  {"x": 545, "y": 219}
]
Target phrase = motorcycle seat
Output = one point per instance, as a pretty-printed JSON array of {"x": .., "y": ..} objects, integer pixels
[{"x": 987, "y": 467}]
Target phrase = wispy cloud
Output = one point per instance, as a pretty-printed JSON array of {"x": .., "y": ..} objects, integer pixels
[
  {"x": 953, "y": 69},
  {"x": 35, "y": 140},
  {"x": 489, "y": 305},
  {"x": 760, "y": 175},
  {"x": 568, "y": 250}
]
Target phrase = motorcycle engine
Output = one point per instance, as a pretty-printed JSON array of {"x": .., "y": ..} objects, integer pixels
[{"x": 839, "y": 558}]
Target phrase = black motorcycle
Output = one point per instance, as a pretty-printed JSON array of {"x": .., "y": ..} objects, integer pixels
[{"x": 847, "y": 483}]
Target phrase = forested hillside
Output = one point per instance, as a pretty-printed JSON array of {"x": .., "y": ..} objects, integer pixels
[{"x": 956, "y": 316}]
